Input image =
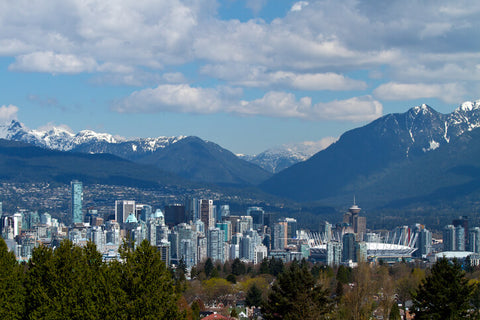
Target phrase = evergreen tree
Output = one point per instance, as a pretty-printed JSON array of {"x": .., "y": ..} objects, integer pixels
[
  {"x": 238, "y": 267},
  {"x": 444, "y": 294},
  {"x": 254, "y": 296},
  {"x": 296, "y": 295},
  {"x": 394, "y": 312},
  {"x": 208, "y": 268},
  {"x": 148, "y": 285},
  {"x": 12, "y": 292}
]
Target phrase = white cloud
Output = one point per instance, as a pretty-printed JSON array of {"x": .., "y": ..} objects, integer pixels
[
  {"x": 257, "y": 76},
  {"x": 8, "y": 113},
  {"x": 174, "y": 77},
  {"x": 256, "y": 5},
  {"x": 53, "y": 63},
  {"x": 183, "y": 98},
  {"x": 172, "y": 98},
  {"x": 450, "y": 92},
  {"x": 315, "y": 46},
  {"x": 298, "y": 6}
]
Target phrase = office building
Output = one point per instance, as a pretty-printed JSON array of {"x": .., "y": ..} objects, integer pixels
[
  {"x": 279, "y": 236},
  {"x": 348, "y": 249},
  {"x": 257, "y": 215},
  {"x": 474, "y": 240},
  {"x": 216, "y": 244},
  {"x": 77, "y": 198},
  {"x": 207, "y": 213},
  {"x": 174, "y": 214},
  {"x": 124, "y": 208},
  {"x": 449, "y": 238}
]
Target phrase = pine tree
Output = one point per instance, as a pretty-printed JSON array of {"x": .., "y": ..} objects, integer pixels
[
  {"x": 254, "y": 296},
  {"x": 444, "y": 294},
  {"x": 296, "y": 295},
  {"x": 11, "y": 284},
  {"x": 148, "y": 285}
]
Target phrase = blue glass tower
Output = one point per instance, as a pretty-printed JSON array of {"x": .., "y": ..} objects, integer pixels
[{"x": 77, "y": 197}]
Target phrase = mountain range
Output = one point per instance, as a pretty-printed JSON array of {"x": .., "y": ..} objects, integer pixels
[
  {"x": 188, "y": 157},
  {"x": 397, "y": 157},
  {"x": 414, "y": 159}
]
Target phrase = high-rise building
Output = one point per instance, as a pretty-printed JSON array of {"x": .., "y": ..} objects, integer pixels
[
  {"x": 325, "y": 231},
  {"x": 348, "y": 250},
  {"x": 424, "y": 242},
  {"x": 77, "y": 198},
  {"x": 459, "y": 238},
  {"x": 334, "y": 253},
  {"x": 257, "y": 215},
  {"x": 124, "y": 208},
  {"x": 462, "y": 222},
  {"x": 474, "y": 240},
  {"x": 449, "y": 238},
  {"x": 358, "y": 223},
  {"x": 207, "y": 213},
  {"x": 216, "y": 244},
  {"x": 174, "y": 214},
  {"x": 227, "y": 227},
  {"x": 279, "y": 236},
  {"x": 224, "y": 211}
]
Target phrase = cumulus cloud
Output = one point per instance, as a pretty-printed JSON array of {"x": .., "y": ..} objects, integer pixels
[
  {"x": 173, "y": 98},
  {"x": 53, "y": 63},
  {"x": 257, "y": 76},
  {"x": 8, "y": 113},
  {"x": 183, "y": 98},
  {"x": 450, "y": 92},
  {"x": 297, "y": 6},
  {"x": 314, "y": 46},
  {"x": 256, "y": 5}
]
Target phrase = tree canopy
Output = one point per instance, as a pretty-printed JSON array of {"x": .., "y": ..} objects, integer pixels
[{"x": 444, "y": 294}]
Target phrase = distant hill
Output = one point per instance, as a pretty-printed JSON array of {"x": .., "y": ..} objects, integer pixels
[
  {"x": 199, "y": 160},
  {"x": 21, "y": 162},
  {"x": 412, "y": 155},
  {"x": 189, "y": 157}
]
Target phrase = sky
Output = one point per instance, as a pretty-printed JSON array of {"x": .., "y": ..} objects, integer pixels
[{"x": 246, "y": 74}]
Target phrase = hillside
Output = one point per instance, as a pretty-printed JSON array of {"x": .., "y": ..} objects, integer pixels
[{"x": 20, "y": 162}]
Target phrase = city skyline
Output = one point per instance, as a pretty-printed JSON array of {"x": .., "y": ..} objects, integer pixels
[{"x": 231, "y": 71}]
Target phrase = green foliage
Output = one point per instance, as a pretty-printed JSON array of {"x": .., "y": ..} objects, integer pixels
[
  {"x": 208, "y": 268},
  {"x": 11, "y": 289},
  {"x": 254, "y": 296},
  {"x": 75, "y": 283},
  {"x": 344, "y": 274},
  {"x": 238, "y": 267},
  {"x": 444, "y": 294},
  {"x": 231, "y": 278},
  {"x": 394, "y": 312},
  {"x": 296, "y": 295}
]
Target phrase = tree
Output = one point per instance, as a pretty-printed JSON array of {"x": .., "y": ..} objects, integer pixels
[
  {"x": 238, "y": 267},
  {"x": 444, "y": 294},
  {"x": 12, "y": 292},
  {"x": 148, "y": 286},
  {"x": 394, "y": 312},
  {"x": 297, "y": 295},
  {"x": 208, "y": 268},
  {"x": 254, "y": 296}
]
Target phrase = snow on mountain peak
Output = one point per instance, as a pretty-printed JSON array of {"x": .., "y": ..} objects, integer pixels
[{"x": 468, "y": 106}]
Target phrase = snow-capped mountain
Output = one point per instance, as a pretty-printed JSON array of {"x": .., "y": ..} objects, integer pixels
[
  {"x": 372, "y": 150},
  {"x": 189, "y": 157},
  {"x": 278, "y": 158},
  {"x": 84, "y": 141}
]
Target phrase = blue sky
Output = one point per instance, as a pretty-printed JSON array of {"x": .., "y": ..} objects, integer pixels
[{"x": 246, "y": 74}]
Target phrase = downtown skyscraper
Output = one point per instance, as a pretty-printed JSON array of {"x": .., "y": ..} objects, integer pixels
[{"x": 77, "y": 198}]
